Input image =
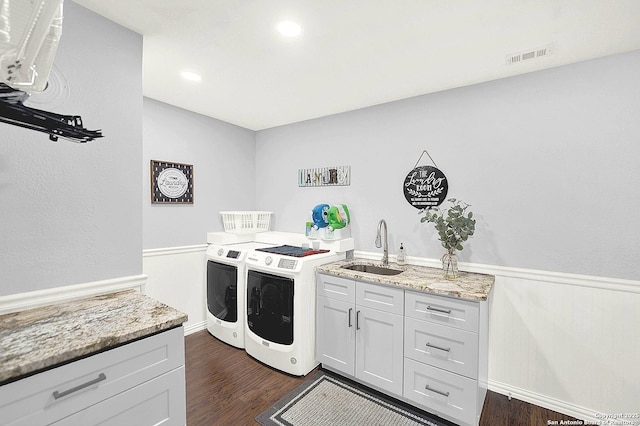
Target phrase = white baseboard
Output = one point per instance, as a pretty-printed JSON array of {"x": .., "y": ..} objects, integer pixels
[
  {"x": 33, "y": 299},
  {"x": 563, "y": 407},
  {"x": 193, "y": 328}
]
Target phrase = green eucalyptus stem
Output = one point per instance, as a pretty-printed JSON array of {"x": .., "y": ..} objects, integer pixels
[{"x": 454, "y": 225}]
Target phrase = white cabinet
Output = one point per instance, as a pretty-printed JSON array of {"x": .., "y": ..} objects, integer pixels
[
  {"x": 360, "y": 331},
  {"x": 445, "y": 370},
  {"x": 141, "y": 383},
  {"x": 427, "y": 350}
]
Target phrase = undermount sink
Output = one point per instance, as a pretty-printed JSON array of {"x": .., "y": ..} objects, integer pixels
[{"x": 372, "y": 269}]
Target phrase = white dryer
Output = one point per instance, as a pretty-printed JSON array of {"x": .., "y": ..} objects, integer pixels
[{"x": 226, "y": 288}]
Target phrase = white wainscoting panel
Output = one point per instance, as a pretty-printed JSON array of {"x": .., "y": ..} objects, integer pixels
[
  {"x": 567, "y": 342},
  {"x": 177, "y": 276},
  {"x": 574, "y": 349},
  {"x": 34, "y": 299}
]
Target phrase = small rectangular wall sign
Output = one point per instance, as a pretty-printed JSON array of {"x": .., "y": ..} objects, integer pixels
[
  {"x": 171, "y": 183},
  {"x": 325, "y": 176}
]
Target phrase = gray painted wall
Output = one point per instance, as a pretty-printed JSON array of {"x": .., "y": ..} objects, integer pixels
[
  {"x": 71, "y": 213},
  {"x": 548, "y": 161},
  {"x": 223, "y": 158}
]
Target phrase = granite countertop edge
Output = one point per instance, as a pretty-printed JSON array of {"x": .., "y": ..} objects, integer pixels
[
  {"x": 468, "y": 285},
  {"x": 42, "y": 338}
]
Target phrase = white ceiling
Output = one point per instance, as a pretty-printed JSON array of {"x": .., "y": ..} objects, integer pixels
[{"x": 353, "y": 53}]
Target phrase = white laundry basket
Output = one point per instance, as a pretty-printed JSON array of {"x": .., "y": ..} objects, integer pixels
[{"x": 246, "y": 222}]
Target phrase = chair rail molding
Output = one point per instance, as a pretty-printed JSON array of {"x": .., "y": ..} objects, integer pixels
[{"x": 33, "y": 299}]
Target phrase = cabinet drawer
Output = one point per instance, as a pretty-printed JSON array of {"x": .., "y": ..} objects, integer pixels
[
  {"x": 441, "y": 392},
  {"x": 441, "y": 346},
  {"x": 336, "y": 288},
  {"x": 381, "y": 298},
  {"x": 59, "y": 392},
  {"x": 160, "y": 401},
  {"x": 462, "y": 314}
]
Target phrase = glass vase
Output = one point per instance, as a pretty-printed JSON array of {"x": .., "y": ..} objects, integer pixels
[{"x": 450, "y": 265}]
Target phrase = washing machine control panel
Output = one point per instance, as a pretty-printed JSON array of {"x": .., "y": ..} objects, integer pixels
[
  {"x": 287, "y": 263},
  {"x": 233, "y": 254}
]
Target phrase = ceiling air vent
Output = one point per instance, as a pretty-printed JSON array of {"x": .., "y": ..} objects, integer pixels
[{"x": 528, "y": 55}]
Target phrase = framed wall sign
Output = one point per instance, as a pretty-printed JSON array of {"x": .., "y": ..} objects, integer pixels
[
  {"x": 425, "y": 187},
  {"x": 325, "y": 176},
  {"x": 171, "y": 183}
]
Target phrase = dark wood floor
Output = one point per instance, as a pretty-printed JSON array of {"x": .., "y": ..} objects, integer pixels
[{"x": 225, "y": 386}]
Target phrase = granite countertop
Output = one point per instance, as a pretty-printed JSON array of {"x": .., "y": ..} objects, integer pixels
[
  {"x": 40, "y": 338},
  {"x": 467, "y": 285}
]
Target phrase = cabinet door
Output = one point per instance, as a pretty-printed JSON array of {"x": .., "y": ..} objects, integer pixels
[
  {"x": 335, "y": 334},
  {"x": 379, "y": 349}
]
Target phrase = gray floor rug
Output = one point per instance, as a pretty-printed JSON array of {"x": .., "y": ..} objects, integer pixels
[{"x": 327, "y": 399}]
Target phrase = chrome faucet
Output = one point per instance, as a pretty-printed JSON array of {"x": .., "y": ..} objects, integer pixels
[{"x": 385, "y": 255}]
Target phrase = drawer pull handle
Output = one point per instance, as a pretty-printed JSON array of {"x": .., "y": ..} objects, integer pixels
[
  {"x": 444, "y": 311},
  {"x": 350, "y": 311},
  {"x": 437, "y": 391},
  {"x": 438, "y": 347},
  {"x": 58, "y": 395}
]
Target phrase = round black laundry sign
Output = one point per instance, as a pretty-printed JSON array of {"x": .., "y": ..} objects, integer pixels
[{"x": 425, "y": 187}]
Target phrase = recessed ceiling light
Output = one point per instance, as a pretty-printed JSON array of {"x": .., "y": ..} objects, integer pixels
[
  {"x": 289, "y": 28},
  {"x": 191, "y": 76}
]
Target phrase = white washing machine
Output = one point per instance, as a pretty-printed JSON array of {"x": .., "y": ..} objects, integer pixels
[
  {"x": 281, "y": 305},
  {"x": 226, "y": 274}
]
